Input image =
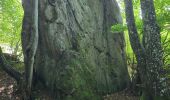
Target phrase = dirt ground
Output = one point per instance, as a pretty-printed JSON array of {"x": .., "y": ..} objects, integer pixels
[
  {"x": 122, "y": 95},
  {"x": 7, "y": 87},
  {"x": 8, "y": 91}
]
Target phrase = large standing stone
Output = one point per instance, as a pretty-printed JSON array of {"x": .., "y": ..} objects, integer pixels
[{"x": 78, "y": 56}]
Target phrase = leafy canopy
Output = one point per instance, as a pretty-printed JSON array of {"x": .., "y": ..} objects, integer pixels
[{"x": 11, "y": 14}]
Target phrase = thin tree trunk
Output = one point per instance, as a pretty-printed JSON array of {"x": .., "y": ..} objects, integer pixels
[
  {"x": 149, "y": 58},
  {"x": 32, "y": 47},
  {"x": 137, "y": 48},
  {"x": 153, "y": 47},
  {"x": 134, "y": 38},
  {"x": 30, "y": 38}
]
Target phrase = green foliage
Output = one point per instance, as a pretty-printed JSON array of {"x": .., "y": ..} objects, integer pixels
[
  {"x": 118, "y": 28},
  {"x": 11, "y": 14},
  {"x": 163, "y": 19},
  {"x": 162, "y": 8},
  {"x": 163, "y": 12}
]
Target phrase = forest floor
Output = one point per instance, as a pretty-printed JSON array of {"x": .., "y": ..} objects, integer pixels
[
  {"x": 122, "y": 95},
  {"x": 8, "y": 91},
  {"x": 7, "y": 87}
]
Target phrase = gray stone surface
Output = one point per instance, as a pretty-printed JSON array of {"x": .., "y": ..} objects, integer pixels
[{"x": 77, "y": 52}]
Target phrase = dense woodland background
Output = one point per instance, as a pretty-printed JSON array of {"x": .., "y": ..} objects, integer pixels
[{"x": 93, "y": 79}]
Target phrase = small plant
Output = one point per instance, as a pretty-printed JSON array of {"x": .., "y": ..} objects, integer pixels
[{"x": 118, "y": 28}]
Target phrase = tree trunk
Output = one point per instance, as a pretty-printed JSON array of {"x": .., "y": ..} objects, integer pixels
[
  {"x": 149, "y": 57},
  {"x": 30, "y": 48},
  {"x": 154, "y": 52},
  {"x": 138, "y": 49},
  {"x": 78, "y": 57}
]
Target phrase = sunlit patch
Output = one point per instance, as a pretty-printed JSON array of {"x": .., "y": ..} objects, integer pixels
[
  {"x": 2, "y": 89},
  {"x": 10, "y": 87}
]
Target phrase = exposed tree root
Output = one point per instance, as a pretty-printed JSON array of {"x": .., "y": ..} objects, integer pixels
[{"x": 8, "y": 68}]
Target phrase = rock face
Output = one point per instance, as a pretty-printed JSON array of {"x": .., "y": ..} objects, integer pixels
[{"x": 78, "y": 56}]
